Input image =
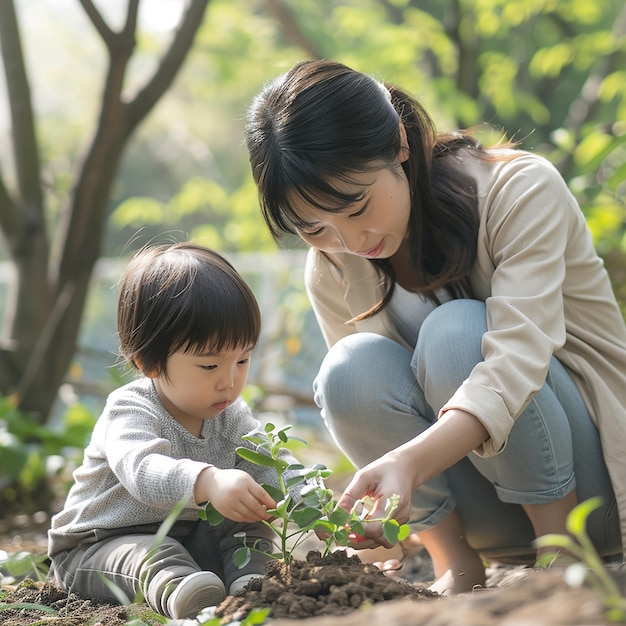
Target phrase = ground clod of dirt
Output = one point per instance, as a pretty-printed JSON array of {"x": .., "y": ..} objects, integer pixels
[{"x": 331, "y": 585}]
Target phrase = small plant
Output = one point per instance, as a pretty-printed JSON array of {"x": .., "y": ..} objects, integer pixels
[
  {"x": 589, "y": 565},
  {"x": 316, "y": 511},
  {"x": 22, "y": 565}
]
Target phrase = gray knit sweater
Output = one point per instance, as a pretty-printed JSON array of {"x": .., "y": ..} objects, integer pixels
[{"x": 141, "y": 462}]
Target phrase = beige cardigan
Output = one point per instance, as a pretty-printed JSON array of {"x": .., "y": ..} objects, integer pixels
[{"x": 546, "y": 292}]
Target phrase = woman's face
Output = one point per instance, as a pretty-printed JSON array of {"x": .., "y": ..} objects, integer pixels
[{"x": 374, "y": 226}]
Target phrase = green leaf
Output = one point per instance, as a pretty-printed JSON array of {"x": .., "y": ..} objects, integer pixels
[
  {"x": 261, "y": 459},
  {"x": 339, "y": 517},
  {"x": 325, "y": 526},
  {"x": 30, "y": 606},
  {"x": 577, "y": 518},
  {"x": 303, "y": 518},
  {"x": 390, "y": 531},
  {"x": 282, "y": 509},
  {"x": 256, "y": 439},
  {"x": 276, "y": 494},
  {"x": 269, "y": 427},
  {"x": 256, "y": 617},
  {"x": 341, "y": 536},
  {"x": 404, "y": 532},
  {"x": 553, "y": 541},
  {"x": 211, "y": 515},
  {"x": 294, "y": 480},
  {"x": 242, "y": 555}
]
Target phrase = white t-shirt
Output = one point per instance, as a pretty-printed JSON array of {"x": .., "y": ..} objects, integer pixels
[{"x": 408, "y": 311}]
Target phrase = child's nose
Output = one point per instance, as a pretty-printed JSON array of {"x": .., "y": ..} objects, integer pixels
[{"x": 227, "y": 382}]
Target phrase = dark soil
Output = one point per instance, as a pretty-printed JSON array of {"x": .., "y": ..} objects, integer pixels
[
  {"x": 69, "y": 610},
  {"x": 334, "y": 585},
  {"x": 318, "y": 592}
]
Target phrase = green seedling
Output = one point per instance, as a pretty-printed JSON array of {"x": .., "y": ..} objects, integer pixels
[
  {"x": 316, "y": 511},
  {"x": 23, "y": 565},
  {"x": 589, "y": 564}
]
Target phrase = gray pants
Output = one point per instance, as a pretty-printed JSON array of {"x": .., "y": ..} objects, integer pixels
[{"x": 141, "y": 570}]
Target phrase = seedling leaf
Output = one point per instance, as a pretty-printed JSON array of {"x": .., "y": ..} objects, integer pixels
[
  {"x": 304, "y": 517},
  {"x": 211, "y": 515},
  {"x": 242, "y": 555},
  {"x": 339, "y": 517},
  {"x": 578, "y": 516},
  {"x": 275, "y": 493},
  {"x": 390, "y": 531},
  {"x": 261, "y": 459}
]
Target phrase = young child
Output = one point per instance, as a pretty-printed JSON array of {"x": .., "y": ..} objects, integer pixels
[{"x": 188, "y": 322}]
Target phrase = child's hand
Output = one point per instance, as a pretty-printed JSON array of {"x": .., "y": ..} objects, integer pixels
[{"x": 235, "y": 494}]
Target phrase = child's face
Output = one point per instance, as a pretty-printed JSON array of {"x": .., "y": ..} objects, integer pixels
[
  {"x": 374, "y": 227},
  {"x": 201, "y": 386}
]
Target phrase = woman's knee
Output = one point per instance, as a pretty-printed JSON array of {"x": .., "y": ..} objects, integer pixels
[
  {"x": 449, "y": 344},
  {"x": 358, "y": 368}
]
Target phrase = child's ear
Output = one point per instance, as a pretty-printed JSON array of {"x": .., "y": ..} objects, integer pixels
[
  {"x": 403, "y": 155},
  {"x": 140, "y": 366}
]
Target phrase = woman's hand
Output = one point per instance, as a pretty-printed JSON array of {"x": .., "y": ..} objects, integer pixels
[
  {"x": 406, "y": 467},
  {"x": 390, "y": 474},
  {"x": 235, "y": 494}
]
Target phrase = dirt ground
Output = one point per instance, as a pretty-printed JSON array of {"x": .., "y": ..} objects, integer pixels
[{"x": 317, "y": 593}]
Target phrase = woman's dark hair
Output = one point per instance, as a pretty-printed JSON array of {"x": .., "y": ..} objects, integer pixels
[
  {"x": 323, "y": 121},
  {"x": 182, "y": 297}
]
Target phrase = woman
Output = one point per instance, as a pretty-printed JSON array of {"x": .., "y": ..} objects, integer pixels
[{"x": 477, "y": 355}]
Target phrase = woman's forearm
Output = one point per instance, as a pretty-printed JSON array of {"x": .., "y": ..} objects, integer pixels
[{"x": 440, "y": 446}]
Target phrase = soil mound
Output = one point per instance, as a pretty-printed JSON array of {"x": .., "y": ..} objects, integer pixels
[{"x": 331, "y": 585}]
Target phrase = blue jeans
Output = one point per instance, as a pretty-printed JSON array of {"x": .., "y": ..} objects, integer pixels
[{"x": 375, "y": 395}]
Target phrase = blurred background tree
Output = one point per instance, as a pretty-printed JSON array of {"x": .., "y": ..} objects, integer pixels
[
  {"x": 550, "y": 73},
  {"x": 52, "y": 272}
]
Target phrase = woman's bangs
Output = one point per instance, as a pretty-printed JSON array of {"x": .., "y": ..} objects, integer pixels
[{"x": 325, "y": 196}]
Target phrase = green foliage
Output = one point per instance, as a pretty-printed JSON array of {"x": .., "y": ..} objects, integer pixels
[
  {"x": 589, "y": 565},
  {"x": 526, "y": 66},
  {"x": 23, "y": 565},
  {"x": 30, "y": 453},
  {"x": 255, "y": 617},
  {"x": 316, "y": 511}
]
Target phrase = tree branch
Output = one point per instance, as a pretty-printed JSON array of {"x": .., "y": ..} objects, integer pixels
[
  {"x": 131, "y": 18},
  {"x": 169, "y": 65},
  {"x": 291, "y": 29},
  {"x": 26, "y": 155},
  {"x": 8, "y": 212},
  {"x": 107, "y": 35}
]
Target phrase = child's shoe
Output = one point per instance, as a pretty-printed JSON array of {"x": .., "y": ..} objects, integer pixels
[{"x": 194, "y": 593}]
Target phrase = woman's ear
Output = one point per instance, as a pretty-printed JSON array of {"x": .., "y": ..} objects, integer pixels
[{"x": 403, "y": 155}]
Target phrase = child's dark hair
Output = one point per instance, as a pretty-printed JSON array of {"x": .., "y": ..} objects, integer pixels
[{"x": 182, "y": 297}]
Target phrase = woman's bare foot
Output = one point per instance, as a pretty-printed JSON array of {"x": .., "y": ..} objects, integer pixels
[
  {"x": 462, "y": 576},
  {"x": 458, "y": 567}
]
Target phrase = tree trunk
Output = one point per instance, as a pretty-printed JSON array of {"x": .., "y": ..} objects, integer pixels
[{"x": 46, "y": 305}]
